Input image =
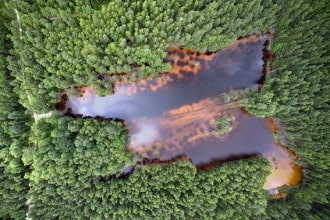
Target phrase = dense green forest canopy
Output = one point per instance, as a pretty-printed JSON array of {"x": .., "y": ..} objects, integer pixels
[{"x": 52, "y": 167}]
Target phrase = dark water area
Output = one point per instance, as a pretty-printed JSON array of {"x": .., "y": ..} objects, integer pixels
[
  {"x": 241, "y": 142},
  {"x": 193, "y": 133},
  {"x": 174, "y": 116}
]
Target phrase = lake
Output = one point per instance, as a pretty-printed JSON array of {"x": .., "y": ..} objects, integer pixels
[{"x": 177, "y": 113}]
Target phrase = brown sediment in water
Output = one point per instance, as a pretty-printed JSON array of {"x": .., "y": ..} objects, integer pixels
[
  {"x": 272, "y": 125},
  {"x": 175, "y": 114},
  {"x": 61, "y": 104},
  {"x": 285, "y": 169},
  {"x": 181, "y": 127},
  {"x": 188, "y": 65}
]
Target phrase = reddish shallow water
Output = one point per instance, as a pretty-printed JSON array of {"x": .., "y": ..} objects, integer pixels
[
  {"x": 175, "y": 114},
  {"x": 285, "y": 170}
]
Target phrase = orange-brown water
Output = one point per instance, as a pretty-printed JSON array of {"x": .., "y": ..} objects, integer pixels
[{"x": 175, "y": 114}]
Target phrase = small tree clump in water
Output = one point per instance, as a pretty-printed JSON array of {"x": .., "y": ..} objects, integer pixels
[{"x": 223, "y": 124}]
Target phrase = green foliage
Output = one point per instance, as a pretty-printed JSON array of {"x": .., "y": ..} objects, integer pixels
[
  {"x": 297, "y": 93},
  {"x": 14, "y": 132},
  {"x": 172, "y": 191},
  {"x": 98, "y": 145},
  {"x": 223, "y": 124},
  {"x": 59, "y": 44},
  {"x": 133, "y": 38},
  {"x": 71, "y": 154}
]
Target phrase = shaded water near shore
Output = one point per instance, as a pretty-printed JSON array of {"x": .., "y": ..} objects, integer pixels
[{"x": 176, "y": 113}]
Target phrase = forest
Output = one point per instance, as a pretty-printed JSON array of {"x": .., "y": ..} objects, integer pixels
[{"x": 63, "y": 167}]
